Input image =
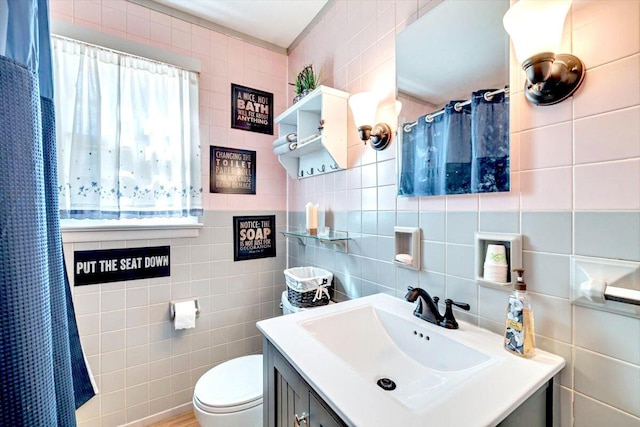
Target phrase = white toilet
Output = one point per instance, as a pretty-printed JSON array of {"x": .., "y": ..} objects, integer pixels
[{"x": 230, "y": 394}]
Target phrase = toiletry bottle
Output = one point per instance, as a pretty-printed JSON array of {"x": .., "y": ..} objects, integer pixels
[{"x": 519, "y": 336}]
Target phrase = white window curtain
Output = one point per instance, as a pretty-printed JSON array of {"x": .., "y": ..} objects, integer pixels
[{"x": 128, "y": 135}]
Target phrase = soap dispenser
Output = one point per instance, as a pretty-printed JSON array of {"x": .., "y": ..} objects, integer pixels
[{"x": 519, "y": 336}]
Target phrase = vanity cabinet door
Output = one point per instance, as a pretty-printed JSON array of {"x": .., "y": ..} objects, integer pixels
[
  {"x": 319, "y": 415},
  {"x": 291, "y": 395},
  {"x": 288, "y": 400}
]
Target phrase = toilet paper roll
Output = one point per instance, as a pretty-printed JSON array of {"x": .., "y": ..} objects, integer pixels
[{"x": 185, "y": 312}]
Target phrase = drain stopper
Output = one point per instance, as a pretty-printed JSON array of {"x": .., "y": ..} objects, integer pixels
[{"x": 386, "y": 384}]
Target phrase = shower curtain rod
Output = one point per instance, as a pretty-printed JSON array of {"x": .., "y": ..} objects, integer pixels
[{"x": 458, "y": 106}]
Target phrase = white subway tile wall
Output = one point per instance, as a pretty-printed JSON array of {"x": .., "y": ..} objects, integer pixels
[{"x": 141, "y": 364}]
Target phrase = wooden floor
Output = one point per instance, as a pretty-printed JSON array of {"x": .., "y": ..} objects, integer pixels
[{"x": 188, "y": 419}]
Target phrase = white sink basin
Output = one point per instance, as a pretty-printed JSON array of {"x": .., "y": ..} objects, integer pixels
[
  {"x": 460, "y": 377},
  {"x": 423, "y": 364}
]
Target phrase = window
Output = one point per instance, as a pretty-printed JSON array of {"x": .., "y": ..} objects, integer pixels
[{"x": 127, "y": 135}]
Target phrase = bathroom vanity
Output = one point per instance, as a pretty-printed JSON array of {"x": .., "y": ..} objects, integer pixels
[
  {"x": 324, "y": 367},
  {"x": 288, "y": 400}
]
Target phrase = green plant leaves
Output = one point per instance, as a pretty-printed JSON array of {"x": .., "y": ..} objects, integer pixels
[{"x": 307, "y": 79}]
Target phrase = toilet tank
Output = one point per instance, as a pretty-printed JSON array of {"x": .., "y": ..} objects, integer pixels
[{"x": 287, "y": 308}]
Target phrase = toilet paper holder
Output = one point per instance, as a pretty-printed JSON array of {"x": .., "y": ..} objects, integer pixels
[{"x": 172, "y": 305}]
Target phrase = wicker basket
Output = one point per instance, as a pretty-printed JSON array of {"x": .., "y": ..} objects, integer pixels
[{"x": 308, "y": 286}]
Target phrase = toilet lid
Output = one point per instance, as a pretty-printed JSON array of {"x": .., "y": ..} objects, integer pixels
[{"x": 234, "y": 383}]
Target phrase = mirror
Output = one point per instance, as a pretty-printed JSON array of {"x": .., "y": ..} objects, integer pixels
[{"x": 456, "y": 48}]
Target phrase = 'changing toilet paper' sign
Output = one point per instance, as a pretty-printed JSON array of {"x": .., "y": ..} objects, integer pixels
[
  {"x": 117, "y": 265},
  {"x": 232, "y": 171}
]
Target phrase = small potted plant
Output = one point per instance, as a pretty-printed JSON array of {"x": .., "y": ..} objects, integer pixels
[{"x": 306, "y": 81}]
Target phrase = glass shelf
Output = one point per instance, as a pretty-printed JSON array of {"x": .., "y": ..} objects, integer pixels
[{"x": 340, "y": 238}]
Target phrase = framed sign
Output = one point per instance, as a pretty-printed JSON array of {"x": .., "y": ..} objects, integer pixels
[
  {"x": 232, "y": 171},
  {"x": 254, "y": 237},
  {"x": 251, "y": 109},
  {"x": 117, "y": 265}
]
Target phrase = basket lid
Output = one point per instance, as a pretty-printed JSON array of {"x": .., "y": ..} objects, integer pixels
[{"x": 302, "y": 273}]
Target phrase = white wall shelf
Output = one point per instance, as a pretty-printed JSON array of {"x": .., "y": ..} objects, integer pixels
[
  {"x": 513, "y": 246},
  {"x": 323, "y": 112},
  {"x": 407, "y": 243}
]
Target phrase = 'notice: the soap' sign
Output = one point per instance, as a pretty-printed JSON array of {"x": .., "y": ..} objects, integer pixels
[
  {"x": 116, "y": 265},
  {"x": 254, "y": 237}
]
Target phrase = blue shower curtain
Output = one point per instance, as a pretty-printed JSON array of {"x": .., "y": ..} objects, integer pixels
[
  {"x": 43, "y": 375},
  {"x": 456, "y": 150},
  {"x": 406, "y": 176},
  {"x": 421, "y": 158},
  {"x": 429, "y": 172},
  {"x": 436, "y": 155},
  {"x": 490, "y": 142},
  {"x": 462, "y": 149}
]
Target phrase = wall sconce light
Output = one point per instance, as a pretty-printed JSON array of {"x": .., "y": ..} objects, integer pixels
[
  {"x": 535, "y": 26},
  {"x": 364, "y": 106}
]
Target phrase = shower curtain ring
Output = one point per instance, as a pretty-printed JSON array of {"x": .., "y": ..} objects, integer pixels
[
  {"x": 409, "y": 126},
  {"x": 457, "y": 106},
  {"x": 488, "y": 96}
]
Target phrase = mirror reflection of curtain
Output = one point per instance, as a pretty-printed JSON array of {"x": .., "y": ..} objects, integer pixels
[
  {"x": 421, "y": 158},
  {"x": 490, "y": 142},
  {"x": 421, "y": 169},
  {"x": 407, "y": 174},
  {"x": 429, "y": 170},
  {"x": 458, "y": 150}
]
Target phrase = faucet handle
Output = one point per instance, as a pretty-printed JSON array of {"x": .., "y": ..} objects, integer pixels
[
  {"x": 449, "y": 320},
  {"x": 462, "y": 305}
]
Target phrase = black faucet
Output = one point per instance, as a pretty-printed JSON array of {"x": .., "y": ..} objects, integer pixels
[{"x": 427, "y": 308}]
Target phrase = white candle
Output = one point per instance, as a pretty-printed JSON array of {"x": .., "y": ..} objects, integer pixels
[
  {"x": 315, "y": 216},
  {"x": 312, "y": 218}
]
